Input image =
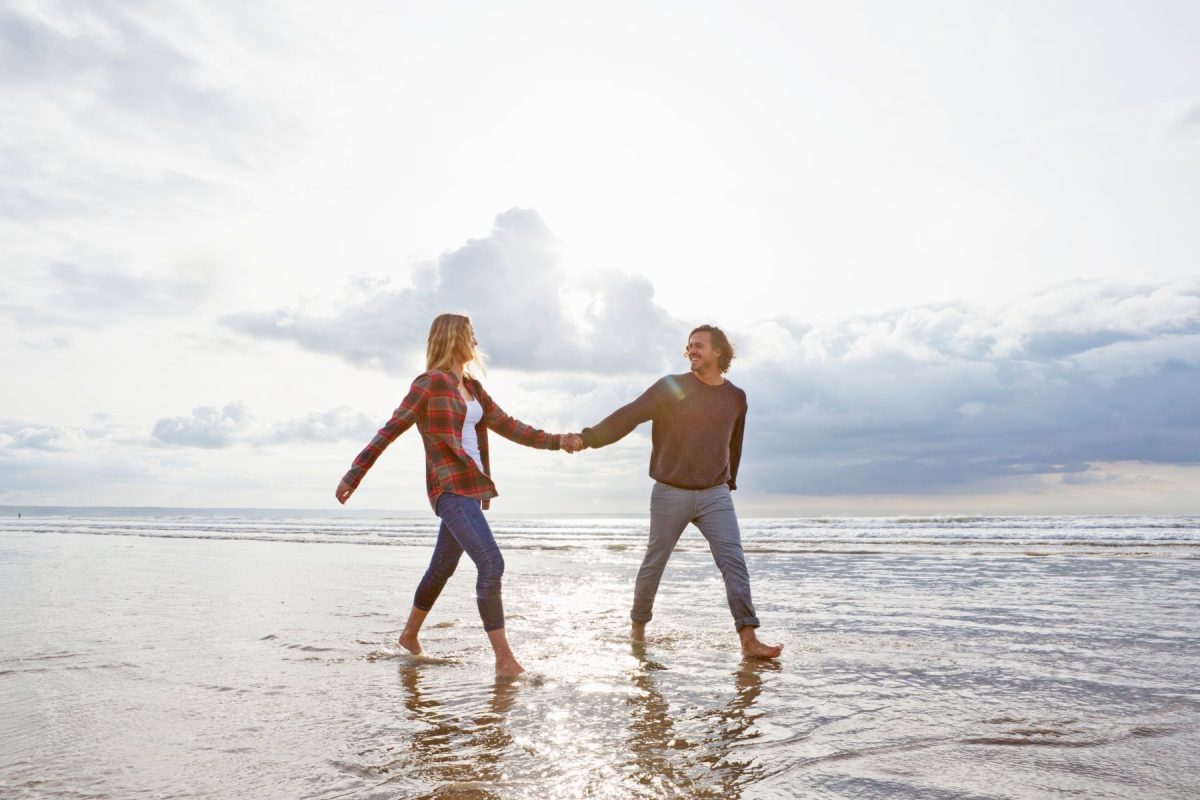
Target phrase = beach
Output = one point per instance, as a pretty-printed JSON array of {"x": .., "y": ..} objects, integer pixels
[{"x": 176, "y": 656}]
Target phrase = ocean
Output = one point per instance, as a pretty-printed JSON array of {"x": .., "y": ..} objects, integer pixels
[
  {"x": 949, "y": 535},
  {"x": 170, "y": 653}
]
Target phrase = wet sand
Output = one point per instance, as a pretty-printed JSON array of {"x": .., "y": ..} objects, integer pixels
[{"x": 153, "y": 667}]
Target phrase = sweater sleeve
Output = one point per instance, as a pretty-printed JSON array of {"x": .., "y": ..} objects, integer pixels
[
  {"x": 411, "y": 409},
  {"x": 735, "y": 448},
  {"x": 621, "y": 422}
]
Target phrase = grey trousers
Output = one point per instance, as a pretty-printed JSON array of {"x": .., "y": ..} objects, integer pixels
[{"x": 711, "y": 510}]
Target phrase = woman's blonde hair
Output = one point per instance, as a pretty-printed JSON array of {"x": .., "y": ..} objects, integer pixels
[{"x": 452, "y": 342}]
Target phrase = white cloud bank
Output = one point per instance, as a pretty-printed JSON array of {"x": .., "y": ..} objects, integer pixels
[
  {"x": 526, "y": 314},
  {"x": 204, "y": 427},
  {"x": 941, "y": 397},
  {"x": 209, "y": 456},
  {"x": 213, "y": 428},
  {"x": 921, "y": 399},
  {"x": 69, "y": 298}
]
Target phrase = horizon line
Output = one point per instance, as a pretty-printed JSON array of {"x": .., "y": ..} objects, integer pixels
[{"x": 423, "y": 514}]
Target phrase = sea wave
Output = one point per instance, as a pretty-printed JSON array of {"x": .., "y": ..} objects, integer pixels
[{"x": 1165, "y": 536}]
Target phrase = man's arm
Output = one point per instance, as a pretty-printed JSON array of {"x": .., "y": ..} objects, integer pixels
[
  {"x": 618, "y": 424},
  {"x": 735, "y": 448}
]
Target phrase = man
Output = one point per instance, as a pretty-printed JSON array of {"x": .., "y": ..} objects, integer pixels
[{"x": 698, "y": 421}]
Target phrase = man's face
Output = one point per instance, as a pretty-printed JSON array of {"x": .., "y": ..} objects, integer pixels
[{"x": 700, "y": 352}]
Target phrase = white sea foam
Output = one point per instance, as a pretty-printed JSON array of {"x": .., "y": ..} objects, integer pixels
[{"x": 1165, "y": 536}]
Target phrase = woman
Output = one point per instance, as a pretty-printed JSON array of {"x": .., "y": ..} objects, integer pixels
[{"x": 453, "y": 413}]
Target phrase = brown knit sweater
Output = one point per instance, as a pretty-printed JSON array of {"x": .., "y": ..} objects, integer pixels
[{"x": 697, "y": 432}]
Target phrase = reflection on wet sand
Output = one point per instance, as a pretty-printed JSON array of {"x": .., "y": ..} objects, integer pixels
[
  {"x": 463, "y": 755},
  {"x": 670, "y": 762},
  {"x": 922, "y": 675}
]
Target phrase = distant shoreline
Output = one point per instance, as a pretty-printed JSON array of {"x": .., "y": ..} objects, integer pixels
[
  {"x": 383, "y": 513},
  {"x": 365, "y": 513}
]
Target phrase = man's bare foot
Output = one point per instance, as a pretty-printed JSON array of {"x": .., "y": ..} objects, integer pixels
[
  {"x": 637, "y": 632},
  {"x": 508, "y": 668},
  {"x": 753, "y": 648},
  {"x": 409, "y": 642},
  {"x": 757, "y": 649}
]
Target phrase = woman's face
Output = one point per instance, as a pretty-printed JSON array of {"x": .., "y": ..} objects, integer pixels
[{"x": 467, "y": 356}]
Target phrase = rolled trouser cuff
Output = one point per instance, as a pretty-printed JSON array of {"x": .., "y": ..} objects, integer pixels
[{"x": 745, "y": 622}]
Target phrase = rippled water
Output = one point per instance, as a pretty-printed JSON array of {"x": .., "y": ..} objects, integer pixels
[
  {"x": 1036, "y": 535},
  {"x": 239, "y": 657}
]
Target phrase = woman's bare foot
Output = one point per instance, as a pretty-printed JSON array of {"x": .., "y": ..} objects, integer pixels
[
  {"x": 508, "y": 668},
  {"x": 410, "y": 643},
  {"x": 408, "y": 636},
  {"x": 637, "y": 632},
  {"x": 753, "y": 648}
]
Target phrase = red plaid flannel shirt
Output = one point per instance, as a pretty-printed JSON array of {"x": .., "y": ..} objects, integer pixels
[{"x": 435, "y": 406}]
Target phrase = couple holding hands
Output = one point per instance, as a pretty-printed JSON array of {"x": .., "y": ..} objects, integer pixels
[{"x": 698, "y": 420}]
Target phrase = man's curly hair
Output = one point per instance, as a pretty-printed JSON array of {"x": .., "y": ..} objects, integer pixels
[{"x": 720, "y": 341}]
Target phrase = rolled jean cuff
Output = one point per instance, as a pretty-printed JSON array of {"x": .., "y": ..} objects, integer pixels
[
  {"x": 640, "y": 619},
  {"x": 745, "y": 622}
]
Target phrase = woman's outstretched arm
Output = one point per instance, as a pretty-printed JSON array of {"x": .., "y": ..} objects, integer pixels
[
  {"x": 515, "y": 430},
  {"x": 411, "y": 409}
]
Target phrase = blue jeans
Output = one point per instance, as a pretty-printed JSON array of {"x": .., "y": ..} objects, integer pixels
[
  {"x": 711, "y": 510},
  {"x": 464, "y": 528}
]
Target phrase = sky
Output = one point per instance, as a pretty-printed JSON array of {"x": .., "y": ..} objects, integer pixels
[{"x": 954, "y": 245}]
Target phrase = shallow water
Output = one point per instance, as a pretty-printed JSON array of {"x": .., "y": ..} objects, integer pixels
[
  {"x": 160, "y": 666},
  {"x": 1162, "y": 537}
]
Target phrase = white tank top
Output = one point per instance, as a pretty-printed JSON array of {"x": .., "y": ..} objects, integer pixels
[{"x": 470, "y": 439}]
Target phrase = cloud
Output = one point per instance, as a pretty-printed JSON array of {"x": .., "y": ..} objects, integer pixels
[
  {"x": 48, "y": 438},
  {"x": 79, "y": 465},
  {"x": 322, "y": 426},
  {"x": 212, "y": 428},
  {"x": 512, "y": 284},
  {"x": 141, "y": 72},
  {"x": 1186, "y": 127},
  {"x": 948, "y": 399},
  {"x": 72, "y": 297},
  {"x": 183, "y": 460},
  {"x": 126, "y": 126},
  {"x": 205, "y": 426},
  {"x": 937, "y": 398},
  {"x": 45, "y": 45},
  {"x": 921, "y": 399},
  {"x": 46, "y": 344}
]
